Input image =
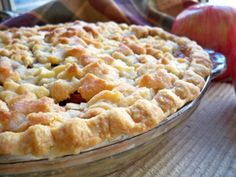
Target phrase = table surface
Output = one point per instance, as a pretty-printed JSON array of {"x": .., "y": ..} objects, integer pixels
[{"x": 204, "y": 145}]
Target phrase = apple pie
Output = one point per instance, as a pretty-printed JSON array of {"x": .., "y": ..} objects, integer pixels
[{"x": 69, "y": 87}]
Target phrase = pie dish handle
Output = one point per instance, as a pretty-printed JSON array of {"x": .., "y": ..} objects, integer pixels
[{"x": 219, "y": 63}]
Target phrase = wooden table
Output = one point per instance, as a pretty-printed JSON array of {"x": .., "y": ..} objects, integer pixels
[{"x": 204, "y": 145}]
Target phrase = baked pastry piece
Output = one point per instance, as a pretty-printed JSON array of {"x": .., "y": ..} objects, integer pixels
[{"x": 68, "y": 87}]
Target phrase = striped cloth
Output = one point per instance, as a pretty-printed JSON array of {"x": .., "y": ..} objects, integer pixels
[{"x": 142, "y": 12}]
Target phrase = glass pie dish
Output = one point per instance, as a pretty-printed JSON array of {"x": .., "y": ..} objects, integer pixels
[{"x": 108, "y": 157}]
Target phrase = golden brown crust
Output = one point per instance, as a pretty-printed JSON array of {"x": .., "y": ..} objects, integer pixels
[
  {"x": 6, "y": 70},
  {"x": 159, "y": 80},
  {"x": 69, "y": 87},
  {"x": 91, "y": 85}
]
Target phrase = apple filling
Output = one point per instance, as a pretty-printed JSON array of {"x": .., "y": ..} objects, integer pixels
[{"x": 74, "y": 98}]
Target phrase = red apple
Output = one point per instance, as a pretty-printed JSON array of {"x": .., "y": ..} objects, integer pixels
[
  {"x": 233, "y": 43},
  {"x": 234, "y": 74},
  {"x": 212, "y": 26}
]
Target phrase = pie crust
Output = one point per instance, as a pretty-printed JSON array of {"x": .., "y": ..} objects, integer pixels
[{"x": 69, "y": 87}]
